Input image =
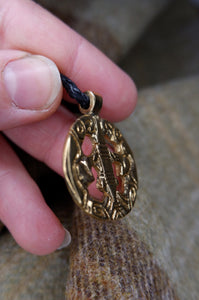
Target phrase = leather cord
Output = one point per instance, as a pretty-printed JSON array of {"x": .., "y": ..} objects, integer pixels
[{"x": 74, "y": 92}]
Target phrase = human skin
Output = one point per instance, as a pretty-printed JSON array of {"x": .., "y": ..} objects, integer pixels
[{"x": 31, "y": 115}]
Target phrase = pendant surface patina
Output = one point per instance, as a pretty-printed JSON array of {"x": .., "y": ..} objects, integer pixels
[{"x": 112, "y": 160}]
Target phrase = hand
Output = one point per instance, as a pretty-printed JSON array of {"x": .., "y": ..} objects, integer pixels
[{"x": 30, "y": 94}]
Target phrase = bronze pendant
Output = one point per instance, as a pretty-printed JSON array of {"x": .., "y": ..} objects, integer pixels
[{"x": 111, "y": 159}]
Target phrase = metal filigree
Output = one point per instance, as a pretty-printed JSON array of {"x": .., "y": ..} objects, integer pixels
[{"x": 112, "y": 160}]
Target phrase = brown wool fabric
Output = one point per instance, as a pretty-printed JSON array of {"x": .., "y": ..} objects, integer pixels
[
  {"x": 113, "y": 38},
  {"x": 153, "y": 252},
  {"x": 108, "y": 261}
]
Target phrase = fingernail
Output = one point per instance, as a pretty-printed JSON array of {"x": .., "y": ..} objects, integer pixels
[
  {"x": 32, "y": 82},
  {"x": 66, "y": 241}
]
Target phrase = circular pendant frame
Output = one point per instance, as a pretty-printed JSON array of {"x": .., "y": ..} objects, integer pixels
[{"x": 113, "y": 161}]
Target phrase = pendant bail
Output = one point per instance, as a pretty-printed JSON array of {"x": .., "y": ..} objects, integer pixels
[{"x": 95, "y": 104}]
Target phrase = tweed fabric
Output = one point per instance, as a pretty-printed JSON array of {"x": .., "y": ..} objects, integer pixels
[
  {"x": 153, "y": 252},
  {"x": 29, "y": 277},
  {"x": 150, "y": 254},
  {"x": 94, "y": 20},
  {"x": 109, "y": 261}
]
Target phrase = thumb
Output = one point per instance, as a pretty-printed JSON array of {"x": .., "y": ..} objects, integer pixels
[{"x": 30, "y": 88}]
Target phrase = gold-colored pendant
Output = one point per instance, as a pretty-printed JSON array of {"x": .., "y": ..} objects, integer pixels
[{"x": 112, "y": 160}]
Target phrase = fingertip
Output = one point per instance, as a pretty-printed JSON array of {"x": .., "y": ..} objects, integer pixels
[
  {"x": 42, "y": 238},
  {"x": 66, "y": 241},
  {"x": 130, "y": 97},
  {"x": 106, "y": 79},
  {"x": 30, "y": 86},
  {"x": 121, "y": 101},
  {"x": 32, "y": 82},
  {"x": 36, "y": 229}
]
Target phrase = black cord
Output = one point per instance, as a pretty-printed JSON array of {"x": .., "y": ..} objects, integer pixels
[{"x": 74, "y": 92}]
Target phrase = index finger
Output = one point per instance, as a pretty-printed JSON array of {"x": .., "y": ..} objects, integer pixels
[{"x": 26, "y": 26}]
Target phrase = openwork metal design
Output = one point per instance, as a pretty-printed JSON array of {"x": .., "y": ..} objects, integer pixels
[{"x": 113, "y": 162}]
